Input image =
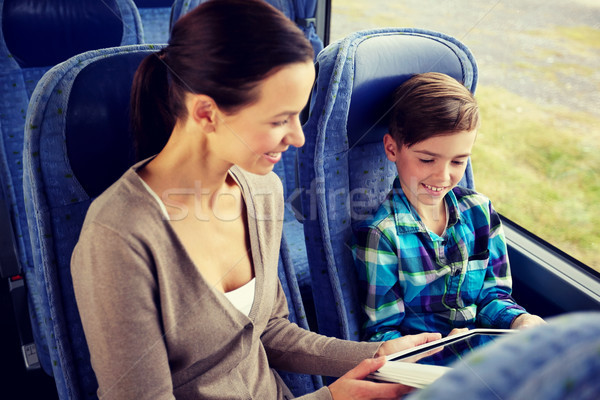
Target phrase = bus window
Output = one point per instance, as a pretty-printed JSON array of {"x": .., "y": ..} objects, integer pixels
[{"x": 537, "y": 155}]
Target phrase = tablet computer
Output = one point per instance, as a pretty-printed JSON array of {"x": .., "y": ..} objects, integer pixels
[
  {"x": 451, "y": 348},
  {"x": 421, "y": 365}
]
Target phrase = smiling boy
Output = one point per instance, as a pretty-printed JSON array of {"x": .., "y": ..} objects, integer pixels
[{"x": 433, "y": 257}]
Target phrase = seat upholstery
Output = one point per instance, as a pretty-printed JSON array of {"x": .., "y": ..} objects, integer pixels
[
  {"x": 156, "y": 19},
  {"x": 558, "y": 361},
  {"x": 34, "y": 36},
  {"x": 343, "y": 169},
  {"x": 56, "y": 198},
  {"x": 71, "y": 156}
]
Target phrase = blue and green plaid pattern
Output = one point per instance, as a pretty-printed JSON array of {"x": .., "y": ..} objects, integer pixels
[{"x": 412, "y": 280}]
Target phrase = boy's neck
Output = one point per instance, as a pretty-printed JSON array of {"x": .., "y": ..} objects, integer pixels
[{"x": 434, "y": 216}]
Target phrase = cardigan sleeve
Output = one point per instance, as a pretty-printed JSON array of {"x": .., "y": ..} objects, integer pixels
[
  {"x": 295, "y": 349},
  {"x": 116, "y": 296}
]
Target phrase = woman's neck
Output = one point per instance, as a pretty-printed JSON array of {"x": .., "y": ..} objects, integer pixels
[{"x": 187, "y": 175}]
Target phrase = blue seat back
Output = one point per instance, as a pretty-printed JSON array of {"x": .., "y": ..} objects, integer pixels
[
  {"x": 73, "y": 155},
  {"x": 557, "y": 361},
  {"x": 343, "y": 169},
  {"x": 73, "y": 150},
  {"x": 156, "y": 19},
  {"x": 302, "y": 12},
  {"x": 34, "y": 36}
]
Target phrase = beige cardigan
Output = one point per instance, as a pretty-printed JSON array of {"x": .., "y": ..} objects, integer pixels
[{"x": 156, "y": 330}]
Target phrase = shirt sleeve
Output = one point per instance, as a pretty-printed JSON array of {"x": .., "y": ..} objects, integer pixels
[
  {"x": 496, "y": 307},
  {"x": 376, "y": 261},
  {"x": 111, "y": 277},
  {"x": 295, "y": 349}
]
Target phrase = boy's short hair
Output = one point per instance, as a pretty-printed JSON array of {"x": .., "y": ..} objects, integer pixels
[{"x": 431, "y": 104}]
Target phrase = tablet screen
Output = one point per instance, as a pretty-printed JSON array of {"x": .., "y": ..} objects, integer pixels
[{"x": 446, "y": 353}]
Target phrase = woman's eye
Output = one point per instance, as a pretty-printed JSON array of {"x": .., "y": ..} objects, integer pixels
[{"x": 280, "y": 123}]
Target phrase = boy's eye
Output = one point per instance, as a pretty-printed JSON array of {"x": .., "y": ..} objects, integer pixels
[
  {"x": 457, "y": 162},
  {"x": 425, "y": 161}
]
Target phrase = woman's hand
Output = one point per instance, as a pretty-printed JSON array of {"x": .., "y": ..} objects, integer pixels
[
  {"x": 406, "y": 342},
  {"x": 352, "y": 385},
  {"x": 526, "y": 321}
]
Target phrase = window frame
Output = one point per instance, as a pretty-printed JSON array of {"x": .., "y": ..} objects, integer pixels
[{"x": 546, "y": 280}]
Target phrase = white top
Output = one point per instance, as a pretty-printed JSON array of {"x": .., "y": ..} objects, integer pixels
[
  {"x": 242, "y": 298},
  {"x": 158, "y": 200}
]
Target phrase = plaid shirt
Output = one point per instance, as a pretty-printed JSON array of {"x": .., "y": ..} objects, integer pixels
[{"x": 416, "y": 281}]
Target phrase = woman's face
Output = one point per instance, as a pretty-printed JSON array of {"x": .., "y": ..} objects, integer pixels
[{"x": 255, "y": 137}]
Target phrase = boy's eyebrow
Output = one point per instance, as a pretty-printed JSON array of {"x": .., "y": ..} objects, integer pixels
[{"x": 432, "y": 154}]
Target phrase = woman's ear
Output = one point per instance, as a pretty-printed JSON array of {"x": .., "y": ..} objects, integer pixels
[
  {"x": 204, "y": 112},
  {"x": 391, "y": 147}
]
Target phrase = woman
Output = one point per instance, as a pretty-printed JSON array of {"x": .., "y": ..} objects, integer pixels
[{"x": 165, "y": 252}]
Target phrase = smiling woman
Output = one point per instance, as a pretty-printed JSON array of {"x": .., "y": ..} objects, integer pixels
[{"x": 218, "y": 106}]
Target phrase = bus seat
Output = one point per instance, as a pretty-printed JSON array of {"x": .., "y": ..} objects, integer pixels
[
  {"x": 34, "y": 36},
  {"x": 299, "y": 384},
  {"x": 342, "y": 168},
  {"x": 71, "y": 156},
  {"x": 557, "y": 361},
  {"x": 156, "y": 19},
  {"x": 302, "y": 12}
]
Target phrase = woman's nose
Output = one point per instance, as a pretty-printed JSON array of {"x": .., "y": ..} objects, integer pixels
[{"x": 295, "y": 136}]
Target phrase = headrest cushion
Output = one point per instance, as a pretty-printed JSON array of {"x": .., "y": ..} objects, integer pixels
[
  {"x": 99, "y": 142},
  {"x": 381, "y": 64},
  {"x": 153, "y": 3},
  {"x": 40, "y": 33}
]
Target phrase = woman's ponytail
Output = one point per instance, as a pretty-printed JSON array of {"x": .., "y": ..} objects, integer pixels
[{"x": 151, "y": 118}]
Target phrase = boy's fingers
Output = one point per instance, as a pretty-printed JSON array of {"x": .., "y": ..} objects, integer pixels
[{"x": 426, "y": 337}]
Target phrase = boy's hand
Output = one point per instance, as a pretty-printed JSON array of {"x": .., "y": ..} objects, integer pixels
[
  {"x": 456, "y": 331},
  {"x": 406, "y": 342},
  {"x": 524, "y": 321}
]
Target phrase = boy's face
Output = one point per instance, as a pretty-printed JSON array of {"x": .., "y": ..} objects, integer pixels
[{"x": 429, "y": 169}]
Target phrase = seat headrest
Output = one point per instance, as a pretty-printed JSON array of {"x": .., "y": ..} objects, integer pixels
[
  {"x": 382, "y": 62},
  {"x": 153, "y": 3},
  {"x": 97, "y": 130},
  {"x": 40, "y": 33}
]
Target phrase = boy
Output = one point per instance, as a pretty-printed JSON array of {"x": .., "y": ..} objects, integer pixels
[{"x": 433, "y": 257}]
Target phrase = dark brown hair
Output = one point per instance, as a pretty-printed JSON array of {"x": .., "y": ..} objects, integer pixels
[
  {"x": 223, "y": 49},
  {"x": 431, "y": 104}
]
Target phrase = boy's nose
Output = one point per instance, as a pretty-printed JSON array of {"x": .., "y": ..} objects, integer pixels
[{"x": 443, "y": 173}]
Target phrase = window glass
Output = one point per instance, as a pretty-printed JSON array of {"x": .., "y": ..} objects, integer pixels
[{"x": 537, "y": 155}]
